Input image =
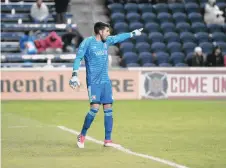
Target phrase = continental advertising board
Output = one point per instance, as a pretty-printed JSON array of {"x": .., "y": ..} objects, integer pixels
[
  {"x": 152, "y": 83},
  {"x": 54, "y": 85}
]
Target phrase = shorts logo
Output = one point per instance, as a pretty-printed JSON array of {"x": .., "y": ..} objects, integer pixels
[
  {"x": 155, "y": 85},
  {"x": 93, "y": 97}
]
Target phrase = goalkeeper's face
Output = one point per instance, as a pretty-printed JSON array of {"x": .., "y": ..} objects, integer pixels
[{"x": 104, "y": 34}]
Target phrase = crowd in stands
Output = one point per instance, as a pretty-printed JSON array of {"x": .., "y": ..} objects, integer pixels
[
  {"x": 176, "y": 32},
  {"x": 30, "y": 43}
]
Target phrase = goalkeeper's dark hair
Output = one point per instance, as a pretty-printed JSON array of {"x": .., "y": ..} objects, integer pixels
[{"x": 100, "y": 26}]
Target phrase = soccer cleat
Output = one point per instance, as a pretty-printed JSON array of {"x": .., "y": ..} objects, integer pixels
[
  {"x": 109, "y": 143},
  {"x": 81, "y": 141}
]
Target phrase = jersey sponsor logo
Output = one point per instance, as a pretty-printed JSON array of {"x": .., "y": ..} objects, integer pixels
[
  {"x": 155, "y": 85},
  {"x": 101, "y": 52},
  {"x": 105, "y": 46}
]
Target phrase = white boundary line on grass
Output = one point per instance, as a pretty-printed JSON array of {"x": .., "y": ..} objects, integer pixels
[
  {"x": 128, "y": 151},
  {"x": 26, "y": 126}
]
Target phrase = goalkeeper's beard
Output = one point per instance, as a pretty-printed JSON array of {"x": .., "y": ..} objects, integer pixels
[{"x": 102, "y": 38}]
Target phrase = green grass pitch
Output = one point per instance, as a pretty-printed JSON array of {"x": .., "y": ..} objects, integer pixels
[{"x": 190, "y": 133}]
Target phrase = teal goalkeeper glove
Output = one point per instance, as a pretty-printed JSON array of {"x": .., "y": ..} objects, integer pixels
[
  {"x": 74, "y": 81},
  {"x": 136, "y": 32}
]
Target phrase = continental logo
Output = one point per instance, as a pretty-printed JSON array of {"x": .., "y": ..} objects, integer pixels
[{"x": 33, "y": 85}]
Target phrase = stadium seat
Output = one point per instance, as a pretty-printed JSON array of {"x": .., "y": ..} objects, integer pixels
[
  {"x": 207, "y": 48},
  {"x": 121, "y": 27},
  {"x": 214, "y": 28},
  {"x": 202, "y": 37},
  {"x": 149, "y": 65},
  {"x": 149, "y": 17},
  {"x": 203, "y": 1},
  {"x": 168, "y": 27},
  {"x": 171, "y": 37},
  {"x": 116, "y": 7},
  {"x": 180, "y": 17},
  {"x": 142, "y": 38},
  {"x": 135, "y": 25},
  {"x": 126, "y": 47},
  {"x": 174, "y": 47},
  {"x": 131, "y": 7},
  {"x": 188, "y": 58},
  {"x": 34, "y": 27},
  {"x": 165, "y": 65},
  {"x": 10, "y": 47},
  {"x": 224, "y": 28},
  {"x": 118, "y": 17},
  {"x": 177, "y": 57},
  {"x": 189, "y": 47},
  {"x": 219, "y": 37},
  {"x": 181, "y": 65},
  {"x": 130, "y": 57},
  {"x": 161, "y": 7},
  {"x": 130, "y": 65},
  {"x": 142, "y": 46},
  {"x": 162, "y": 57},
  {"x": 164, "y": 17},
  {"x": 176, "y": 7},
  {"x": 11, "y": 36},
  {"x": 192, "y": 7},
  {"x": 145, "y": 8},
  {"x": 221, "y": 5},
  {"x": 158, "y": 47},
  {"x": 222, "y": 45},
  {"x": 152, "y": 27},
  {"x": 195, "y": 17},
  {"x": 198, "y": 27},
  {"x": 133, "y": 17},
  {"x": 190, "y": 1},
  {"x": 183, "y": 27},
  {"x": 145, "y": 57},
  {"x": 187, "y": 37},
  {"x": 155, "y": 37}
]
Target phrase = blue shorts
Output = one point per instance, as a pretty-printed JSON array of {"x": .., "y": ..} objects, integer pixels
[{"x": 100, "y": 93}]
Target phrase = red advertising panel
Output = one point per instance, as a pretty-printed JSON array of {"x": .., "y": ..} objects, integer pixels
[{"x": 205, "y": 84}]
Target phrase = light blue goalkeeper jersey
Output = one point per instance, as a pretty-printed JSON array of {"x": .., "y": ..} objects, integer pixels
[{"x": 96, "y": 57}]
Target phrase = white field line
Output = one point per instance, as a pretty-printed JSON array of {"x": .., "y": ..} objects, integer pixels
[
  {"x": 128, "y": 151},
  {"x": 26, "y": 126}
]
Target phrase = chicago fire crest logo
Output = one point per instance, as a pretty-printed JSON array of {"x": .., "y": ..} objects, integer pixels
[{"x": 155, "y": 85}]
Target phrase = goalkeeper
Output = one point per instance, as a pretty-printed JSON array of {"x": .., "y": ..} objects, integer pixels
[{"x": 94, "y": 50}]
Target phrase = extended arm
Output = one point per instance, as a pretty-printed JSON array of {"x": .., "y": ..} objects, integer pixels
[{"x": 122, "y": 37}]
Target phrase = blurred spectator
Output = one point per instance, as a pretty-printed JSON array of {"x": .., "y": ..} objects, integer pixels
[
  {"x": 198, "y": 59},
  {"x": 215, "y": 59},
  {"x": 39, "y": 12},
  {"x": 71, "y": 40},
  {"x": 225, "y": 60},
  {"x": 41, "y": 46},
  {"x": 27, "y": 45},
  {"x": 61, "y": 9},
  {"x": 53, "y": 43},
  {"x": 213, "y": 15}
]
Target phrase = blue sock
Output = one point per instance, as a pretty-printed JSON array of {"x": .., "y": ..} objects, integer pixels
[
  {"x": 108, "y": 123},
  {"x": 88, "y": 120}
]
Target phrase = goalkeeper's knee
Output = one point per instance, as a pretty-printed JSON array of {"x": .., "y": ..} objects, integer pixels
[{"x": 93, "y": 111}]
